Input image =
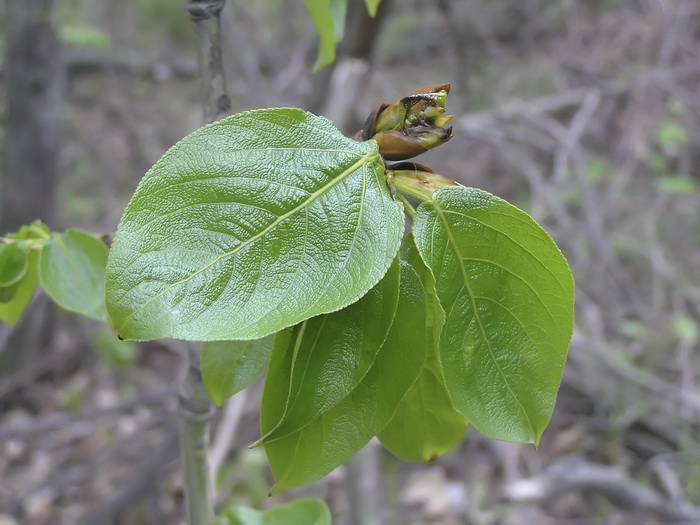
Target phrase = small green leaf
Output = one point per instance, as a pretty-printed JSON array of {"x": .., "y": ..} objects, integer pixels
[
  {"x": 14, "y": 261},
  {"x": 671, "y": 133},
  {"x": 12, "y": 309},
  {"x": 87, "y": 36},
  {"x": 242, "y": 516},
  {"x": 307, "y": 511},
  {"x": 114, "y": 351},
  {"x": 230, "y": 366},
  {"x": 72, "y": 271},
  {"x": 598, "y": 168},
  {"x": 685, "y": 328},
  {"x": 37, "y": 230},
  {"x": 330, "y": 356},
  {"x": 328, "y": 17},
  {"x": 250, "y": 225},
  {"x": 677, "y": 184},
  {"x": 372, "y": 6},
  {"x": 425, "y": 424},
  {"x": 658, "y": 164},
  {"x": 332, "y": 438},
  {"x": 508, "y": 295}
]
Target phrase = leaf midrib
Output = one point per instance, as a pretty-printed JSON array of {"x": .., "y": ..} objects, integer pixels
[
  {"x": 452, "y": 241},
  {"x": 361, "y": 161}
]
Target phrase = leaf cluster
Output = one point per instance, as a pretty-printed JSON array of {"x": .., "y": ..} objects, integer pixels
[
  {"x": 70, "y": 266},
  {"x": 279, "y": 243}
]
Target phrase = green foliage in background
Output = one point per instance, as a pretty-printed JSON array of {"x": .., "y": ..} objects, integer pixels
[
  {"x": 70, "y": 266},
  {"x": 307, "y": 511},
  {"x": 328, "y": 17}
]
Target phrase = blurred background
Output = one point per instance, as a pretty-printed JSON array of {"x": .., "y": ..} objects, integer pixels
[{"x": 586, "y": 114}]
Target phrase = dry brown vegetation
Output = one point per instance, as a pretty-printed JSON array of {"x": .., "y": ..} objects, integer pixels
[{"x": 587, "y": 114}]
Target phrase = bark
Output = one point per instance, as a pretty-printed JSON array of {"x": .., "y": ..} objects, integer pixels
[{"x": 34, "y": 80}]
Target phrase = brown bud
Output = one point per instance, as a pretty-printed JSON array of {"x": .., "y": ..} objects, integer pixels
[{"x": 412, "y": 125}]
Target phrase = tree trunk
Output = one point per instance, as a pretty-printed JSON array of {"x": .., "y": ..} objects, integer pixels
[{"x": 34, "y": 92}]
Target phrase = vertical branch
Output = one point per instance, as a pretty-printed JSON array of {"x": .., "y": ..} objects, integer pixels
[
  {"x": 196, "y": 408},
  {"x": 196, "y": 411},
  {"x": 207, "y": 22}
]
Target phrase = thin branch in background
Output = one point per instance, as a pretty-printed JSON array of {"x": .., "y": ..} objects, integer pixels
[
  {"x": 49, "y": 424},
  {"x": 576, "y": 474},
  {"x": 206, "y": 15}
]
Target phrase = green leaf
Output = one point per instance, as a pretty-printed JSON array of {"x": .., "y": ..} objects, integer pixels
[
  {"x": 677, "y": 184},
  {"x": 307, "y": 511},
  {"x": 12, "y": 309},
  {"x": 328, "y": 17},
  {"x": 114, "y": 351},
  {"x": 242, "y": 516},
  {"x": 87, "y": 36},
  {"x": 37, "y": 230},
  {"x": 508, "y": 296},
  {"x": 330, "y": 356},
  {"x": 671, "y": 133},
  {"x": 230, "y": 366},
  {"x": 72, "y": 271},
  {"x": 333, "y": 437},
  {"x": 425, "y": 424},
  {"x": 372, "y": 6},
  {"x": 14, "y": 261},
  {"x": 686, "y": 329},
  {"x": 249, "y": 225}
]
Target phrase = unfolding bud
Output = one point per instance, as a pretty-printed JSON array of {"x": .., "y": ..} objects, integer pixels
[
  {"x": 416, "y": 180},
  {"x": 412, "y": 125},
  {"x": 397, "y": 145}
]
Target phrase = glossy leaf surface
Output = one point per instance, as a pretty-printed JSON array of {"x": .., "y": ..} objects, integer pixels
[
  {"x": 250, "y": 225},
  {"x": 425, "y": 424},
  {"x": 230, "y": 366},
  {"x": 21, "y": 292},
  {"x": 508, "y": 296},
  {"x": 335, "y": 436},
  {"x": 72, "y": 271},
  {"x": 330, "y": 355}
]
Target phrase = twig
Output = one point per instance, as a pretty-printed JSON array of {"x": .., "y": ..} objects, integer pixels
[
  {"x": 51, "y": 423},
  {"x": 207, "y": 21},
  {"x": 196, "y": 408},
  {"x": 196, "y": 411},
  {"x": 475, "y": 122},
  {"x": 577, "y": 474}
]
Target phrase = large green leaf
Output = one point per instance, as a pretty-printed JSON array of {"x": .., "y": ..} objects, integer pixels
[
  {"x": 425, "y": 424},
  {"x": 306, "y": 511},
  {"x": 249, "y": 225},
  {"x": 230, "y": 366},
  {"x": 22, "y": 292},
  {"x": 14, "y": 261},
  {"x": 72, "y": 271},
  {"x": 328, "y": 17},
  {"x": 330, "y": 356},
  {"x": 508, "y": 296},
  {"x": 333, "y": 437}
]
